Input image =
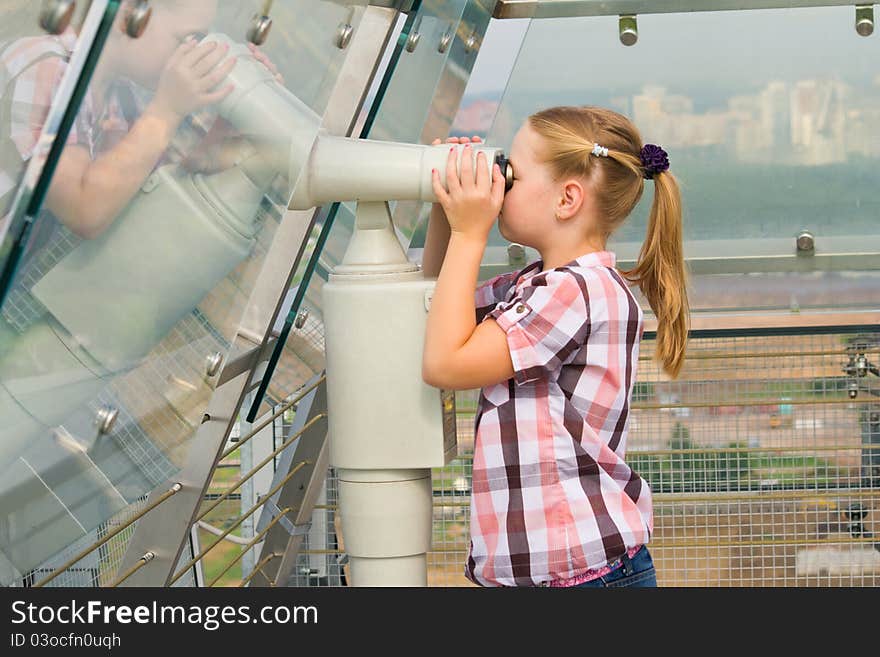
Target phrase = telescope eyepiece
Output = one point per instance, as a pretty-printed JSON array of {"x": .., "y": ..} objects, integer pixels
[{"x": 506, "y": 169}]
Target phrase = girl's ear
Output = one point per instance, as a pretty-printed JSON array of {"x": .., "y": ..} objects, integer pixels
[{"x": 571, "y": 200}]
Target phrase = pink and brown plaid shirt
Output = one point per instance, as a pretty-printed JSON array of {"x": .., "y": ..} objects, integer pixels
[
  {"x": 553, "y": 499},
  {"x": 31, "y": 70}
]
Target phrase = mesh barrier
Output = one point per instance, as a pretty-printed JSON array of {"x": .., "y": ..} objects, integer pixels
[{"x": 765, "y": 472}]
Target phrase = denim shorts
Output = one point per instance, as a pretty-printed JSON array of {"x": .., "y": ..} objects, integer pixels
[{"x": 638, "y": 571}]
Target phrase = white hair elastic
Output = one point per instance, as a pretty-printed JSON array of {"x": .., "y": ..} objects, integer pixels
[{"x": 600, "y": 151}]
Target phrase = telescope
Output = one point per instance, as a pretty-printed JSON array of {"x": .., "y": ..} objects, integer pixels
[{"x": 112, "y": 299}]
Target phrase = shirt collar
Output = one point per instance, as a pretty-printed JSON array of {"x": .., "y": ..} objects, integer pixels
[{"x": 595, "y": 259}]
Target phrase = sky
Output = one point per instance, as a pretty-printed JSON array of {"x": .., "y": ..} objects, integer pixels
[{"x": 737, "y": 50}]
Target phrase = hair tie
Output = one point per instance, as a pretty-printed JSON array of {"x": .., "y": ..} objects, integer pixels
[
  {"x": 598, "y": 151},
  {"x": 654, "y": 160}
]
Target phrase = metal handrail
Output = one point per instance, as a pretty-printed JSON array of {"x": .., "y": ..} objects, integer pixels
[
  {"x": 691, "y": 544},
  {"x": 729, "y": 450},
  {"x": 171, "y": 491},
  {"x": 259, "y": 569},
  {"x": 143, "y": 561},
  {"x": 256, "y": 469},
  {"x": 270, "y": 419},
  {"x": 758, "y": 354},
  {"x": 253, "y": 509},
  {"x": 582, "y": 8},
  {"x": 763, "y": 402},
  {"x": 256, "y": 539},
  {"x": 746, "y": 450},
  {"x": 683, "y": 498}
]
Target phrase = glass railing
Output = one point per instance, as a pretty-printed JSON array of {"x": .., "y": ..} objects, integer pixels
[
  {"x": 770, "y": 139},
  {"x": 157, "y": 223},
  {"x": 414, "y": 103}
]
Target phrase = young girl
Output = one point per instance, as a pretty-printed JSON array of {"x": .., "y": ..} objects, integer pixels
[{"x": 555, "y": 346}]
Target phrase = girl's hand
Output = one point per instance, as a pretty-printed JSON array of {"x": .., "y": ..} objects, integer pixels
[
  {"x": 191, "y": 78},
  {"x": 458, "y": 140},
  {"x": 471, "y": 205},
  {"x": 261, "y": 57},
  {"x": 436, "y": 208}
]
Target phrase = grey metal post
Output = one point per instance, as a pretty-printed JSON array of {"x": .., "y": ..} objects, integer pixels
[
  {"x": 248, "y": 499},
  {"x": 283, "y": 540}
]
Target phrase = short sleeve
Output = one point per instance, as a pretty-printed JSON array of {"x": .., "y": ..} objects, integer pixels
[
  {"x": 546, "y": 322},
  {"x": 32, "y": 95},
  {"x": 493, "y": 291}
]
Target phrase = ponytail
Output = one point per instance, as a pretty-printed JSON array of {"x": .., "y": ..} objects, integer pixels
[
  {"x": 604, "y": 146},
  {"x": 662, "y": 276}
]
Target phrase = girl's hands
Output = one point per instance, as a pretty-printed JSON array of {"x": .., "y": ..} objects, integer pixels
[
  {"x": 436, "y": 208},
  {"x": 471, "y": 205},
  {"x": 191, "y": 78},
  {"x": 458, "y": 140}
]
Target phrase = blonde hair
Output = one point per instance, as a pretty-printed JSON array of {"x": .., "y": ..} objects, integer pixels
[{"x": 569, "y": 135}]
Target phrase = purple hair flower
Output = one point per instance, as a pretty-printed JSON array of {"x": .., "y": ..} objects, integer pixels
[{"x": 654, "y": 159}]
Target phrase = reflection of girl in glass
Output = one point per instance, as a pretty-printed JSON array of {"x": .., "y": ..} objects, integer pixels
[
  {"x": 108, "y": 175},
  {"x": 114, "y": 145}
]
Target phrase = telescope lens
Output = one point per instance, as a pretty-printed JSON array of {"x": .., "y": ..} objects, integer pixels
[{"x": 506, "y": 170}]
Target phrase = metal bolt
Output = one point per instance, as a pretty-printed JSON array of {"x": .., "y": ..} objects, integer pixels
[
  {"x": 805, "y": 241},
  {"x": 865, "y": 20},
  {"x": 445, "y": 40},
  {"x": 853, "y": 390},
  {"x": 105, "y": 419},
  {"x": 516, "y": 254},
  {"x": 56, "y": 14},
  {"x": 258, "y": 32},
  {"x": 629, "y": 30},
  {"x": 212, "y": 363},
  {"x": 138, "y": 18},
  {"x": 343, "y": 35},
  {"x": 412, "y": 41},
  {"x": 471, "y": 43},
  {"x": 301, "y": 319}
]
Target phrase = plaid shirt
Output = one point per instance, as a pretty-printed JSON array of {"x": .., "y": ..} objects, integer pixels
[
  {"x": 552, "y": 496},
  {"x": 32, "y": 78}
]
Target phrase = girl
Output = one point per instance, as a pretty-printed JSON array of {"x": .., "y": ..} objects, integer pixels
[{"x": 555, "y": 346}]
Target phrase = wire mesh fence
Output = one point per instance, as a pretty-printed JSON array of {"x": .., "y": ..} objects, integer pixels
[{"x": 763, "y": 458}]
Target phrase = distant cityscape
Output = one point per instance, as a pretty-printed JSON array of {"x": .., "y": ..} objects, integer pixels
[{"x": 809, "y": 122}]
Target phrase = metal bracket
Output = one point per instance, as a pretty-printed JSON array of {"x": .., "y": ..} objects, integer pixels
[{"x": 289, "y": 527}]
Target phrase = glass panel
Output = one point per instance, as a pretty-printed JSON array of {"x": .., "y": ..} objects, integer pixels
[
  {"x": 425, "y": 80},
  {"x": 435, "y": 66},
  {"x": 767, "y": 137},
  {"x": 106, "y": 337}
]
